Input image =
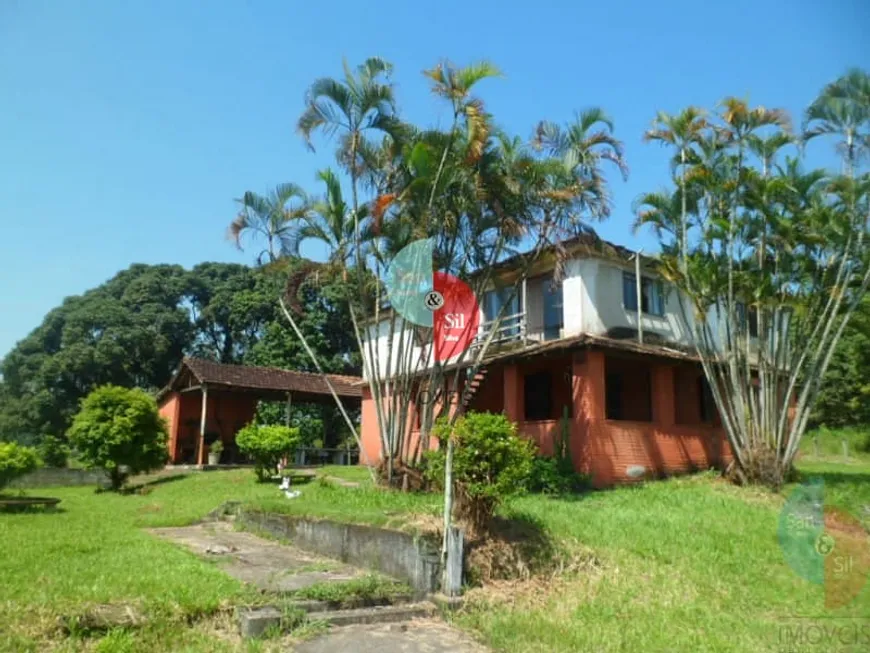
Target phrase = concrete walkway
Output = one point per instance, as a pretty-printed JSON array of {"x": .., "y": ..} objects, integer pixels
[
  {"x": 417, "y": 636},
  {"x": 275, "y": 567},
  {"x": 265, "y": 564}
]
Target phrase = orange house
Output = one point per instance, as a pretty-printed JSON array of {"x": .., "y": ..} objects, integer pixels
[
  {"x": 634, "y": 411},
  {"x": 207, "y": 401}
]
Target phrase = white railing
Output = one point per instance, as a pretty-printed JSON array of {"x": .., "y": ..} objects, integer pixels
[{"x": 511, "y": 328}]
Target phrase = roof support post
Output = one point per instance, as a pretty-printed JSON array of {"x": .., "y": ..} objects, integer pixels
[{"x": 200, "y": 453}]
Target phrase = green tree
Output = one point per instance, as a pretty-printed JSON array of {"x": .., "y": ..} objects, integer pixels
[
  {"x": 121, "y": 431},
  {"x": 16, "y": 461},
  {"x": 270, "y": 218},
  {"x": 775, "y": 262},
  {"x": 267, "y": 446}
]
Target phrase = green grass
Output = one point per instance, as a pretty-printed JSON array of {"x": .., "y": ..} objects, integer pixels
[
  {"x": 363, "y": 505},
  {"x": 829, "y": 444},
  {"x": 688, "y": 564},
  {"x": 368, "y": 588},
  {"x": 95, "y": 551},
  {"x": 355, "y": 473}
]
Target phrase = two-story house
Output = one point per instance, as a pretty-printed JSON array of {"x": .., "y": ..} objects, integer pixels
[{"x": 637, "y": 403}]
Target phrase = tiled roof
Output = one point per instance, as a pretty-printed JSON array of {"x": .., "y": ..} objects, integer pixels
[{"x": 268, "y": 379}]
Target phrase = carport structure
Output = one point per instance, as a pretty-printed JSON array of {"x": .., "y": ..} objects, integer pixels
[{"x": 207, "y": 401}]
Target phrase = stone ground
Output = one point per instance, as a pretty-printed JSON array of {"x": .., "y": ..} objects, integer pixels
[
  {"x": 417, "y": 636},
  {"x": 278, "y": 567}
]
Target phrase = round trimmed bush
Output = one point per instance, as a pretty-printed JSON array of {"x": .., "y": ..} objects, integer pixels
[
  {"x": 491, "y": 462},
  {"x": 265, "y": 446},
  {"x": 119, "y": 430},
  {"x": 16, "y": 461}
]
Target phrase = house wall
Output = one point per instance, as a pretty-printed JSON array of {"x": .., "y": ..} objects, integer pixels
[
  {"x": 226, "y": 413},
  {"x": 604, "y": 448}
]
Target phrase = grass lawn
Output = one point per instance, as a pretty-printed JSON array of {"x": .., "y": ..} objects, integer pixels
[
  {"x": 689, "y": 564},
  {"x": 95, "y": 551}
]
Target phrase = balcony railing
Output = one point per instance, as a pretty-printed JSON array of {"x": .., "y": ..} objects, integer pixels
[{"x": 511, "y": 328}]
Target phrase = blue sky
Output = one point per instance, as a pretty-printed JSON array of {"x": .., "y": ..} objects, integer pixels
[{"x": 126, "y": 129}]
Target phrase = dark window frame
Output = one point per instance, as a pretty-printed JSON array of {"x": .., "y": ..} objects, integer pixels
[
  {"x": 538, "y": 396},
  {"x": 652, "y": 291}
]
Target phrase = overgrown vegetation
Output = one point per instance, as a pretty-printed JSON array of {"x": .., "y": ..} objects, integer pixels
[
  {"x": 491, "y": 463},
  {"x": 370, "y": 589},
  {"x": 16, "y": 461},
  {"x": 121, "y": 431},
  {"x": 769, "y": 260},
  {"x": 266, "y": 446}
]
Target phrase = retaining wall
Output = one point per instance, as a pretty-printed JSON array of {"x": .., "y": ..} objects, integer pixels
[
  {"x": 58, "y": 476},
  {"x": 414, "y": 560}
]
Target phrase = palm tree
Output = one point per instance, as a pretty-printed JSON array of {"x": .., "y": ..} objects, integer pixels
[
  {"x": 682, "y": 131},
  {"x": 843, "y": 109},
  {"x": 351, "y": 108},
  {"x": 271, "y": 217},
  {"x": 329, "y": 220},
  {"x": 582, "y": 146}
]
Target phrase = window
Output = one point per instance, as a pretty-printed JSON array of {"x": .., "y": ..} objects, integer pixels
[
  {"x": 627, "y": 390},
  {"x": 613, "y": 396},
  {"x": 552, "y": 298},
  {"x": 652, "y": 296},
  {"x": 751, "y": 322},
  {"x": 707, "y": 405},
  {"x": 493, "y": 300},
  {"x": 537, "y": 394}
]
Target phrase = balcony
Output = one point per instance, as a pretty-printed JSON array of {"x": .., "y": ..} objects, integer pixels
[{"x": 515, "y": 328}]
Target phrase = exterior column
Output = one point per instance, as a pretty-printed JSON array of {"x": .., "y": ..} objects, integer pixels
[
  {"x": 588, "y": 428},
  {"x": 200, "y": 455},
  {"x": 514, "y": 407},
  {"x": 175, "y": 428}
]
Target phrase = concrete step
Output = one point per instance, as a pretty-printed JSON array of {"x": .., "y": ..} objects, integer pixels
[
  {"x": 253, "y": 622},
  {"x": 375, "y": 615}
]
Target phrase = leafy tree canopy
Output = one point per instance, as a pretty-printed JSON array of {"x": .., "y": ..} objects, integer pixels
[{"x": 133, "y": 331}]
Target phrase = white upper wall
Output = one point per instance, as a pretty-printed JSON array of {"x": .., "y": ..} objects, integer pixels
[{"x": 592, "y": 303}]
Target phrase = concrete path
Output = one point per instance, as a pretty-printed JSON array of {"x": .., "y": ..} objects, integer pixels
[
  {"x": 417, "y": 636},
  {"x": 278, "y": 567},
  {"x": 265, "y": 564}
]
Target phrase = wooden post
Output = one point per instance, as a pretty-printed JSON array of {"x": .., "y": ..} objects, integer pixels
[
  {"x": 638, "y": 290},
  {"x": 200, "y": 456},
  {"x": 524, "y": 316}
]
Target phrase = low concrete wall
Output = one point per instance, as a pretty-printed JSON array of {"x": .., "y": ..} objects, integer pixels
[
  {"x": 405, "y": 557},
  {"x": 58, "y": 476}
]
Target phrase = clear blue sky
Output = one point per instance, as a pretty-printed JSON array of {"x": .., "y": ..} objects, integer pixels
[{"x": 127, "y": 128}]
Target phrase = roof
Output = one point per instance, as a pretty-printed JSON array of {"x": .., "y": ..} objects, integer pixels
[{"x": 268, "y": 382}]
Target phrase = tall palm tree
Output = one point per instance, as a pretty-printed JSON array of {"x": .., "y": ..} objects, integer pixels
[
  {"x": 271, "y": 217},
  {"x": 843, "y": 109},
  {"x": 361, "y": 103},
  {"x": 329, "y": 220},
  {"x": 583, "y": 145},
  {"x": 681, "y": 131}
]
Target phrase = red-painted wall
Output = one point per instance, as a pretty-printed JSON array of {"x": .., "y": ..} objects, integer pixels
[{"x": 604, "y": 448}]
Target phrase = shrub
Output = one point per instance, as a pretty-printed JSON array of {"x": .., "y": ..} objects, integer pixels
[
  {"x": 556, "y": 475},
  {"x": 490, "y": 463},
  {"x": 16, "y": 461},
  {"x": 119, "y": 430},
  {"x": 53, "y": 451},
  {"x": 266, "y": 446},
  {"x": 217, "y": 447}
]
